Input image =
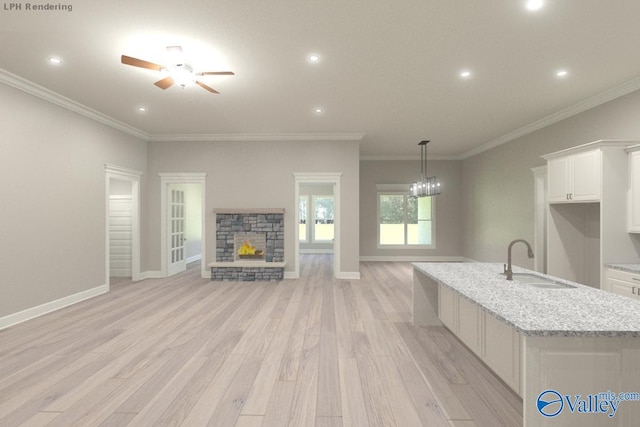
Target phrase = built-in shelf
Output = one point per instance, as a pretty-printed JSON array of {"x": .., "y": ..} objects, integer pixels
[{"x": 249, "y": 211}]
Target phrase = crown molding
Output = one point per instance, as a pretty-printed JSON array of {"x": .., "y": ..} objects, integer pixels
[
  {"x": 374, "y": 157},
  {"x": 55, "y": 98},
  {"x": 587, "y": 104},
  {"x": 233, "y": 137}
]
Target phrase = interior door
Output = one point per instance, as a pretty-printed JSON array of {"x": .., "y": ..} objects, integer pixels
[{"x": 177, "y": 261}]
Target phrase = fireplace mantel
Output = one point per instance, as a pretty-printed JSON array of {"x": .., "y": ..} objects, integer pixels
[{"x": 249, "y": 211}]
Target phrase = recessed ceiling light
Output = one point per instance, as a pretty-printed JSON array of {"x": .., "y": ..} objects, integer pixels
[
  {"x": 313, "y": 58},
  {"x": 142, "y": 109},
  {"x": 55, "y": 60},
  {"x": 562, "y": 73},
  {"x": 465, "y": 74},
  {"x": 535, "y": 4},
  {"x": 318, "y": 110}
]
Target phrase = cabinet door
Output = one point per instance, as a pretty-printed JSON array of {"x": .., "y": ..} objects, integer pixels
[
  {"x": 623, "y": 288},
  {"x": 447, "y": 309},
  {"x": 558, "y": 173},
  {"x": 470, "y": 325},
  {"x": 585, "y": 176},
  {"x": 502, "y": 351},
  {"x": 634, "y": 192}
]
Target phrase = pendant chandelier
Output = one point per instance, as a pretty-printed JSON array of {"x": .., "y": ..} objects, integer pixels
[{"x": 427, "y": 186}]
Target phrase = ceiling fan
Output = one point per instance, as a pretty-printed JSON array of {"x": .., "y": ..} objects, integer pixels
[{"x": 180, "y": 72}]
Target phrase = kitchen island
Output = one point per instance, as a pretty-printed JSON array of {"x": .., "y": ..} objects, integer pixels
[{"x": 568, "y": 340}]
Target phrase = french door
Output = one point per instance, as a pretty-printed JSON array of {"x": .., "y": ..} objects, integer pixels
[{"x": 177, "y": 261}]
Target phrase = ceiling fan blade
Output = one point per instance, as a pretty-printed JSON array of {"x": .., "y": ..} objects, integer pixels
[
  {"x": 216, "y": 73},
  {"x": 164, "y": 83},
  {"x": 204, "y": 86},
  {"x": 128, "y": 60}
]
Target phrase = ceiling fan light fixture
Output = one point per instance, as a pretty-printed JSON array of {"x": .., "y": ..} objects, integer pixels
[{"x": 183, "y": 75}]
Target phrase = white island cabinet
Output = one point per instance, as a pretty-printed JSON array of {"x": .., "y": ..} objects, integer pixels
[{"x": 576, "y": 344}]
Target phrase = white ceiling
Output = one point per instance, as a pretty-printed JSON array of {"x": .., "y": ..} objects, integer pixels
[{"x": 387, "y": 69}]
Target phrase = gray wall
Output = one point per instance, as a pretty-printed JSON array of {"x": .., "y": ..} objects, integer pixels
[
  {"x": 52, "y": 213},
  {"x": 256, "y": 175},
  {"x": 448, "y": 205},
  {"x": 497, "y": 189}
]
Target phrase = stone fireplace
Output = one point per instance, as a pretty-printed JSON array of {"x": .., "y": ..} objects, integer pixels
[{"x": 249, "y": 245}]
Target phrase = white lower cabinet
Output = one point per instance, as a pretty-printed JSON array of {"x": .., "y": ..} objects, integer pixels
[
  {"x": 497, "y": 344},
  {"x": 470, "y": 322},
  {"x": 623, "y": 283},
  {"x": 502, "y": 351}
]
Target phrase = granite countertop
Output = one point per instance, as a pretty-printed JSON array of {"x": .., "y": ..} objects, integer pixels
[
  {"x": 579, "y": 311},
  {"x": 630, "y": 268}
]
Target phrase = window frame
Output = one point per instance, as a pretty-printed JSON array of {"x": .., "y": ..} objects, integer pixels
[
  {"x": 402, "y": 189},
  {"x": 306, "y": 215}
]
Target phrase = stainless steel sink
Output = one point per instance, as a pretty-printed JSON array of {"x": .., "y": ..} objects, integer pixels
[{"x": 539, "y": 281}]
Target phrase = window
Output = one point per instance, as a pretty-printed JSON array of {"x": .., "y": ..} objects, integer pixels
[
  {"x": 404, "y": 221},
  {"x": 320, "y": 215},
  {"x": 302, "y": 222},
  {"x": 322, "y": 219}
]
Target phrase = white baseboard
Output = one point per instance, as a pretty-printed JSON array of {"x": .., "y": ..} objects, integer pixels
[
  {"x": 290, "y": 275},
  {"x": 151, "y": 275},
  {"x": 194, "y": 258},
  {"x": 33, "y": 312},
  {"x": 400, "y": 258},
  {"x": 348, "y": 275}
]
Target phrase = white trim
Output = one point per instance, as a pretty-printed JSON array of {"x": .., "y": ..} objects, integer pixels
[
  {"x": 290, "y": 275},
  {"x": 410, "y": 258},
  {"x": 540, "y": 218},
  {"x": 166, "y": 179},
  {"x": 386, "y": 157},
  {"x": 326, "y": 178},
  {"x": 151, "y": 275},
  {"x": 316, "y": 251},
  {"x": 55, "y": 98},
  {"x": 247, "y": 137},
  {"x": 193, "y": 258},
  {"x": 348, "y": 275},
  {"x": 51, "y": 306},
  {"x": 577, "y": 108},
  {"x": 133, "y": 176}
]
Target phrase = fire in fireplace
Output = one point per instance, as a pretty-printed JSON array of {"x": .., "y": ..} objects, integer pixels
[{"x": 248, "y": 246}]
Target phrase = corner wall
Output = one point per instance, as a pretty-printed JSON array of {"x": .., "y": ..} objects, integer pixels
[
  {"x": 52, "y": 169},
  {"x": 497, "y": 192}
]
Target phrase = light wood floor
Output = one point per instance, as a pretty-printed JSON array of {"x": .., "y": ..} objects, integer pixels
[{"x": 185, "y": 351}]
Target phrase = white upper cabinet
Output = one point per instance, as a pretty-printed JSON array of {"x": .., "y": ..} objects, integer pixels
[
  {"x": 633, "y": 218},
  {"x": 575, "y": 177}
]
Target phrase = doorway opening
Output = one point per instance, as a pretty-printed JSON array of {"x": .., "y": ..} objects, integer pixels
[
  {"x": 183, "y": 225},
  {"x": 317, "y": 217},
  {"x": 122, "y": 193}
]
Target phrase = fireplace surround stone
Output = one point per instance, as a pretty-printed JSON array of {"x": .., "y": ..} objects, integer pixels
[{"x": 266, "y": 222}]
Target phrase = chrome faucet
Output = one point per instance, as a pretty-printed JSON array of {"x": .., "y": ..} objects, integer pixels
[{"x": 507, "y": 270}]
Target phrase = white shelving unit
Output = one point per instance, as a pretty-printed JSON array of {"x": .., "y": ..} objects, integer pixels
[{"x": 587, "y": 211}]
